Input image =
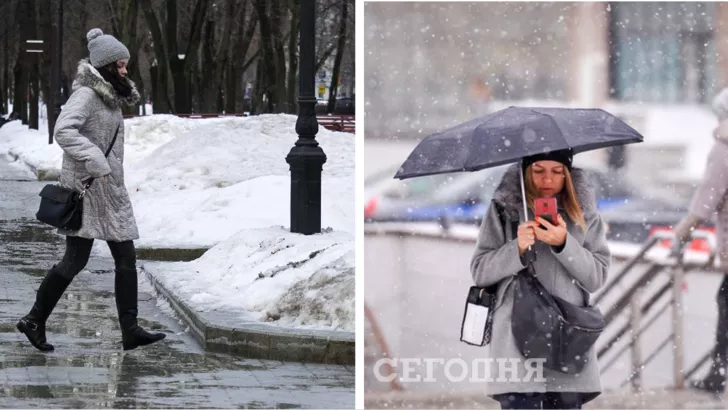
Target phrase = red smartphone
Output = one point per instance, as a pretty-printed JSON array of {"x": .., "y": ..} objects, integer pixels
[{"x": 546, "y": 209}]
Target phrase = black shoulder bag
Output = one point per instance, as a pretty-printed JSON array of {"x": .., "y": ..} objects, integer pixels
[
  {"x": 545, "y": 326},
  {"x": 63, "y": 207}
]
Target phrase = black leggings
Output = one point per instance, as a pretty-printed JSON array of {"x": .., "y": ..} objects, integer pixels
[
  {"x": 78, "y": 251},
  {"x": 721, "y": 329},
  {"x": 555, "y": 400}
]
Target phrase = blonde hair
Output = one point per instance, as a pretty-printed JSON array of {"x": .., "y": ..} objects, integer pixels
[{"x": 568, "y": 194}]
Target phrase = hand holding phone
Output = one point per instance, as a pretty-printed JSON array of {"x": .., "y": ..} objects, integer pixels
[
  {"x": 555, "y": 233},
  {"x": 546, "y": 208}
]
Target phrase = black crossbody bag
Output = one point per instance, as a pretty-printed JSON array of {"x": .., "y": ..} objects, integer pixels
[
  {"x": 63, "y": 207},
  {"x": 543, "y": 325}
]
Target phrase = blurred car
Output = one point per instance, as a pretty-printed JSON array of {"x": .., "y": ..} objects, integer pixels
[
  {"x": 632, "y": 214},
  {"x": 456, "y": 197}
]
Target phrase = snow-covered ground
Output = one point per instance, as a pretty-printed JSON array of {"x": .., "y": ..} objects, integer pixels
[
  {"x": 271, "y": 275},
  {"x": 224, "y": 184},
  {"x": 214, "y": 177}
]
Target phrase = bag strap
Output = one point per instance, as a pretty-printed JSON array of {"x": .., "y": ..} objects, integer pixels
[
  {"x": 513, "y": 233},
  {"x": 108, "y": 151}
]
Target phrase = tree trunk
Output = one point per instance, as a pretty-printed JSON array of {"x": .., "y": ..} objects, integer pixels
[
  {"x": 231, "y": 87},
  {"x": 279, "y": 81},
  {"x": 5, "y": 69},
  {"x": 293, "y": 58},
  {"x": 21, "y": 88},
  {"x": 33, "y": 64},
  {"x": 181, "y": 80},
  {"x": 34, "y": 90},
  {"x": 209, "y": 89},
  {"x": 267, "y": 70},
  {"x": 162, "y": 72},
  {"x": 334, "y": 87},
  {"x": 4, "y": 75},
  {"x": 21, "y": 64},
  {"x": 67, "y": 86},
  {"x": 256, "y": 102},
  {"x": 46, "y": 33},
  {"x": 240, "y": 59}
]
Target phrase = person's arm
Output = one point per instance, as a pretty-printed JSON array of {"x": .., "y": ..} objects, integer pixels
[
  {"x": 711, "y": 191},
  {"x": 686, "y": 225},
  {"x": 494, "y": 259},
  {"x": 66, "y": 133},
  {"x": 587, "y": 263},
  {"x": 708, "y": 196}
]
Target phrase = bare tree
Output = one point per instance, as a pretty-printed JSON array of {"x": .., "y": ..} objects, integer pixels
[
  {"x": 173, "y": 67},
  {"x": 341, "y": 42}
]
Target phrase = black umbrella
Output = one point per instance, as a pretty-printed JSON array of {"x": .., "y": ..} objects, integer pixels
[{"x": 511, "y": 134}]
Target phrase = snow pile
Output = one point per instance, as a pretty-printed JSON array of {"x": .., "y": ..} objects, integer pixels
[
  {"x": 203, "y": 217},
  {"x": 19, "y": 143},
  {"x": 145, "y": 134},
  {"x": 274, "y": 276},
  {"x": 222, "y": 152},
  {"x": 229, "y": 174}
]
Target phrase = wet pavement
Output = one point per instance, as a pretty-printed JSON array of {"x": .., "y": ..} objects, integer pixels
[{"x": 89, "y": 368}]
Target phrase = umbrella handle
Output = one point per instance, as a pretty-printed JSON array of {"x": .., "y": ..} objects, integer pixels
[{"x": 523, "y": 195}]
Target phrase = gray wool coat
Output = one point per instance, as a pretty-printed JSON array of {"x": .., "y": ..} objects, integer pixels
[
  {"x": 580, "y": 267},
  {"x": 84, "y": 130},
  {"x": 709, "y": 200}
]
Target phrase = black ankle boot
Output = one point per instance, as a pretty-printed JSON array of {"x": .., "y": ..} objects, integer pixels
[
  {"x": 710, "y": 384},
  {"x": 48, "y": 295},
  {"x": 715, "y": 381},
  {"x": 132, "y": 335}
]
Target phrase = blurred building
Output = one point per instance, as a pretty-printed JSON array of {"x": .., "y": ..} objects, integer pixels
[{"x": 444, "y": 62}]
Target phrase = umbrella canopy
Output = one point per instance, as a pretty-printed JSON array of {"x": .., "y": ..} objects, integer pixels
[{"x": 511, "y": 134}]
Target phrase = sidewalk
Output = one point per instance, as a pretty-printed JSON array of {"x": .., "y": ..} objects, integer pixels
[
  {"x": 225, "y": 331},
  {"x": 89, "y": 368},
  {"x": 614, "y": 399}
]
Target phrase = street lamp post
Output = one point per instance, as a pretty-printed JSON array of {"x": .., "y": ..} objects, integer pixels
[{"x": 306, "y": 158}]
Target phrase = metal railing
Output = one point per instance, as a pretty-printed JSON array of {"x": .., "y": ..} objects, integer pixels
[{"x": 638, "y": 322}]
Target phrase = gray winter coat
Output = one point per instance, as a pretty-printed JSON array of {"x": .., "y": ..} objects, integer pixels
[
  {"x": 84, "y": 130},
  {"x": 710, "y": 198},
  {"x": 581, "y": 266}
]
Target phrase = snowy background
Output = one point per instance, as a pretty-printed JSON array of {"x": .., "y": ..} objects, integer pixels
[
  {"x": 430, "y": 66},
  {"x": 224, "y": 184}
]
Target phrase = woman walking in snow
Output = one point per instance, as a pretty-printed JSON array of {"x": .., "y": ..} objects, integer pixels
[
  {"x": 710, "y": 201},
  {"x": 84, "y": 130},
  {"x": 571, "y": 259}
]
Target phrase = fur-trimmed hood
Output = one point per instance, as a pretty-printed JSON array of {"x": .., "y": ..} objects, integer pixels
[
  {"x": 508, "y": 193},
  {"x": 88, "y": 76}
]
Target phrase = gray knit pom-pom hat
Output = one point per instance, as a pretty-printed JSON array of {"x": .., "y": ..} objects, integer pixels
[{"x": 104, "y": 49}]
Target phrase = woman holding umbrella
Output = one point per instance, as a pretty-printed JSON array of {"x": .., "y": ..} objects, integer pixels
[
  {"x": 567, "y": 258},
  {"x": 571, "y": 257}
]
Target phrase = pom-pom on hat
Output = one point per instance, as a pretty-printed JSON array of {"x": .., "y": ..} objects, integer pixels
[{"x": 104, "y": 49}]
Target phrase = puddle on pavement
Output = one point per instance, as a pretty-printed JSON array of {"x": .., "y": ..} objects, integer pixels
[
  {"x": 27, "y": 230},
  {"x": 34, "y": 271}
]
